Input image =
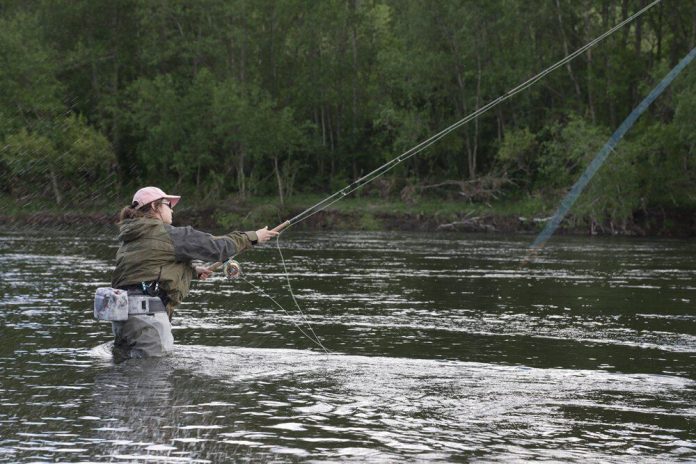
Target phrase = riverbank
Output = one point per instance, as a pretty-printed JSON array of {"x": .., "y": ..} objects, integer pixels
[{"x": 526, "y": 216}]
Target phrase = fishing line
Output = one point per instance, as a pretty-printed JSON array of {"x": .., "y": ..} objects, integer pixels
[
  {"x": 381, "y": 170},
  {"x": 330, "y": 200},
  {"x": 315, "y": 338},
  {"x": 292, "y": 294},
  {"x": 606, "y": 150},
  {"x": 258, "y": 289}
]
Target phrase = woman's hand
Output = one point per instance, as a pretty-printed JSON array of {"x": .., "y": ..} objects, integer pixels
[
  {"x": 265, "y": 235},
  {"x": 203, "y": 272}
]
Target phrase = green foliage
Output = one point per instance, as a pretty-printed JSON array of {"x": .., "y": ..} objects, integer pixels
[
  {"x": 30, "y": 92},
  {"x": 174, "y": 126},
  {"x": 70, "y": 159},
  {"x": 614, "y": 193},
  {"x": 250, "y": 129},
  {"x": 517, "y": 152},
  {"x": 369, "y": 222},
  {"x": 570, "y": 149},
  {"x": 266, "y": 97},
  {"x": 667, "y": 166},
  {"x": 685, "y": 110}
]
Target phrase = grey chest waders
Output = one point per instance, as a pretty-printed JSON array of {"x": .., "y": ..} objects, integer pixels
[{"x": 139, "y": 321}]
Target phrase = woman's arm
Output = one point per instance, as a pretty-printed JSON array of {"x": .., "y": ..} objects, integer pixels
[{"x": 190, "y": 243}]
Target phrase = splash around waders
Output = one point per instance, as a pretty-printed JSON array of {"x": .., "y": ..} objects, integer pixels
[{"x": 154, "y": 270}]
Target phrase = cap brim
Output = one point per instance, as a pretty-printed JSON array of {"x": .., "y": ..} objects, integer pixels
[{"x": 173, "y": 198}]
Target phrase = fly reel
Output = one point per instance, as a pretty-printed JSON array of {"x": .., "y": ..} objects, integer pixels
[{"x": 232, "y": 269}]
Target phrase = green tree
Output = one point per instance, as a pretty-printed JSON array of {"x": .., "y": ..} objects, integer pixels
[
  {"x": 71, "y": 159},
  {"x": 614, "y": 192},
  {"x": 256, "y": 137},
  {"x": 30, "y": 91},
  {"x": 260, "y": 96}
]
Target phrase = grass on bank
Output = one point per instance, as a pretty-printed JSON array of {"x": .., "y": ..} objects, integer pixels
[
  {"x": 369, "y": 213},
  {"x": 427, "y": 206},
  {"x": 351, "y": 212}
]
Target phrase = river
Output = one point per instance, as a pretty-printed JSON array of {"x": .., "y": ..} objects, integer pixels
[{"x": 439, "y": 348}]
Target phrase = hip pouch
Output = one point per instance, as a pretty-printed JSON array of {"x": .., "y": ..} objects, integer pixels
[
  {"x": 110, "y": 304},
  {"x": 114, "y": 304}
]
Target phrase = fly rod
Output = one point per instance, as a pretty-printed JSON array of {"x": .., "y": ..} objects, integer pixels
[
  {"x": 367, "y": 178},
  {"x": 381, "y": 170}
]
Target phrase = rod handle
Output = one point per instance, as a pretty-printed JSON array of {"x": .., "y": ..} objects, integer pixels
[
  {"x": 280, "y": 227},
  {"x": 215, "y": 266}
]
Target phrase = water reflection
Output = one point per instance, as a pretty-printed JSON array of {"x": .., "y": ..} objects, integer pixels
[{"x": 136, "y": 411}]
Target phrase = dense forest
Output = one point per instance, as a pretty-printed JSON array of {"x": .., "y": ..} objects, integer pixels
[{"x": 214, "y": 98}]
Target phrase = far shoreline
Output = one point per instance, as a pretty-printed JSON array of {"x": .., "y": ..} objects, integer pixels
[{"x": 409, "y": 218}]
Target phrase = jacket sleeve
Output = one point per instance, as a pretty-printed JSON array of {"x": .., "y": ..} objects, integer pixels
[{"x": 190, "y": 243}]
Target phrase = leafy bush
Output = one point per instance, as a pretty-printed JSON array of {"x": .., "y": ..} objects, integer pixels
[
  {"x": 70, "y": 158},
  {"x": 614, "y": 191}
]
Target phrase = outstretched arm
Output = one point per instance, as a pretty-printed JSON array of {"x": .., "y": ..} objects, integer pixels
[{"x": 190, "y": 244}]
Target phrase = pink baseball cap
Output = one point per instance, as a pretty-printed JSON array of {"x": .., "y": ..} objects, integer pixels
[{"x": 149, "y": 194}]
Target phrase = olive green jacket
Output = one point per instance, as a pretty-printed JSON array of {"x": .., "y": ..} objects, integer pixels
[{"x": 151, "y": 250}]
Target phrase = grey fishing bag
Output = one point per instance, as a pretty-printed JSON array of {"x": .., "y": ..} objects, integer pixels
[{"x": 110, "y": 304}]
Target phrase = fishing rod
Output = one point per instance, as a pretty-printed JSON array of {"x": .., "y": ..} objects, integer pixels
[
  {"x": 367, "y": 178},
  {"x": 234, "y": 268}
]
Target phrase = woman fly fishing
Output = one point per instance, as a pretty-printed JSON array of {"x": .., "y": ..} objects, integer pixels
[{"x": 154, "y": 271}]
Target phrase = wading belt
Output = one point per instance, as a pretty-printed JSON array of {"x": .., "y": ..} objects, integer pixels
[{"x": 140, "y": 304}]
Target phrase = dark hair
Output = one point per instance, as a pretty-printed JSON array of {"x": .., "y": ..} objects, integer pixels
[{"x": 132, "y": 211}]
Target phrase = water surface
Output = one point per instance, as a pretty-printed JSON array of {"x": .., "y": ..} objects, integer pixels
[{"x": 441, "y": 348}]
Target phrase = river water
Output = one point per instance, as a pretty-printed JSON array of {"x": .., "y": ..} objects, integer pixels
[{"x": 440, "y": 348}]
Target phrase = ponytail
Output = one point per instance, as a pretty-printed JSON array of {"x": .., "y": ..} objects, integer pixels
[{"x": 133, "y": 212}]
